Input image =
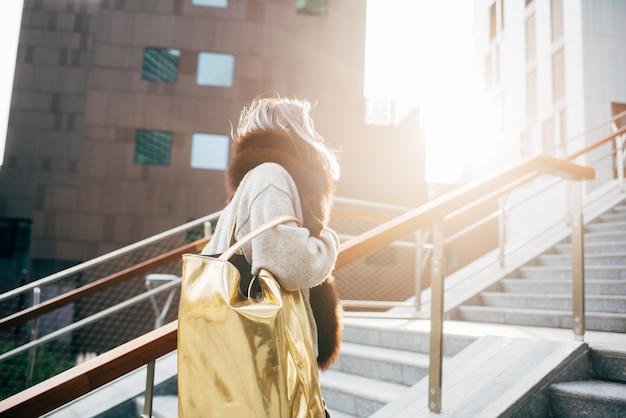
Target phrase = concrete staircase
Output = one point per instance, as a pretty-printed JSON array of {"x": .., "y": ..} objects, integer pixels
[
  {"x": 383, "y": 366},
  {"x": 379, "y": 362},
  {"x": 601, "y": 394},
  {"x": 539, "y": 293}
]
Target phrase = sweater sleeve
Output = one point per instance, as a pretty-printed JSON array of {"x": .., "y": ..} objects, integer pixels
[{"x": 297, "y": 259}]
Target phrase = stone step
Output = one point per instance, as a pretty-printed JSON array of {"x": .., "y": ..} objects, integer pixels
[
  {"x": 605, "y": 303},
  {"x": 609, "y": 364},
  {"x": 339, "y": 414},
  {"x": 395, "y": 366},
  {"x": 591, "y": 259},
  {"x": 356, "y": 395},
  {"x": 613, "y": 272},
  {"x": 604, "y": 236},
  {"x": 592, "y": 287},
  {"x": 596, "y": 321},
  {"x": 605, "y": 226},
  {"x": 589, "y": 398},
  {"x": 592, "y": 247},
  {"x": 619, "y": 216},
  {"x": 398, "y": 334},
  {"x": 167, "y": 407}
]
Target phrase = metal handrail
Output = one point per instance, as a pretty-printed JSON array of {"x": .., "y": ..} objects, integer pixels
[
  {"x": 82, "y": 379},
  {"x": 91, "y": 319},
  {"x": 107, "y": 257},
  {"x": 97, "y": 286}
]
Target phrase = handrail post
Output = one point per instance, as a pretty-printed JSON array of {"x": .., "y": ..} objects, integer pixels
[
  {"x": 578, "y": 260},
  {"x": 436, "y": 319},
  {"x": 420, "y": 240},
  {"x": 619, "y": 159},
  {"x": 158, "y": 322},
  {"x": 502, "y": 229},
  {"x": 32, "y": 353},
  {"x": 149, "y": 395},
  {"x": 208, "y": 229}
]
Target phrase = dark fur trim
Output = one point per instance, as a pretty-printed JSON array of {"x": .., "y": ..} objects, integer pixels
[
  {"x": 316, "y": 188},
  {"x": 327, "y": 312}
]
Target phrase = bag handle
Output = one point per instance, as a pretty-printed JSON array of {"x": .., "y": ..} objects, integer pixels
[{"x": 253, "y": 234}]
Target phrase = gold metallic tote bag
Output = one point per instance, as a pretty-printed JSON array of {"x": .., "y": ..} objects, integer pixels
[{"x": 243, "y": 355}]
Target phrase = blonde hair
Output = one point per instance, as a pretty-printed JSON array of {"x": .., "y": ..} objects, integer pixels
[{"x": 291, "y": 116}]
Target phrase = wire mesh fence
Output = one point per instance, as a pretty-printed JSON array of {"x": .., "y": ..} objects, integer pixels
[
  {"x": 56, "y": 341},
  {"x": 38, "y": 349}
]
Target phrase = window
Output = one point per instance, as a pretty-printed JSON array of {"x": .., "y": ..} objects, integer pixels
[
  {"x": 531, "y": 94},
  {"x": 526, "y": 148},
  {"x": 209, "y": 152},
  {"x": 558, "y": 76},
  {"x": 14, "y": 247},
  {"x": 492, "y": 21},
  {"x": 153, "y": 147},
  {"x": 160, "y": 64},
  {"x": 530, "y": 38},
  {"x": 215, "y": 69},
  {"x": 562, "y": 135},
  {"x": 556, "y": 10},
  {"x": 210, "y": 3},
  {"x": 312, "y": 7},
  {"x": 548, "y": 136},
  {"x": 14, "y": 236},
  {"x": 488, "y": 72}
]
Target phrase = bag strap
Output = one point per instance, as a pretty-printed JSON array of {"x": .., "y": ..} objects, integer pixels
[{"x": 253, "y": 234}]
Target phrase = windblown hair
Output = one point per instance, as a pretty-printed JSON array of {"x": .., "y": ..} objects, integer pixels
[{"x": 291, "y": 116}]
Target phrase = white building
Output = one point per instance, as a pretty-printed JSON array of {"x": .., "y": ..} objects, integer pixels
[{"x": 553, "y": 71}]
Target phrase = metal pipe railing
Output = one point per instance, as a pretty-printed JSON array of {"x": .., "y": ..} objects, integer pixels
[
  {"x": 89, "y": 320},
  {"x": 358, "y": 247},
  {"x": 107, "y": 257}
]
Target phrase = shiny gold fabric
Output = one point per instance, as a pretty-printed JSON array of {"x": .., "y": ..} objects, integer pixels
[{"x": 239, "y": 357}]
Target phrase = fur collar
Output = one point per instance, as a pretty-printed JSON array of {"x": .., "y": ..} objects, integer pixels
[
  {"x": 316, "y": 190},
  {"x": 314, "y": 183}
]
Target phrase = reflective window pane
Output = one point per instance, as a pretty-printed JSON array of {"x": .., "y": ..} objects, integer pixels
[
  {"x": 209, "y": 152},
  {"x": 215, "y": 69},
  {"x": 153, "y": 147},
  {"x": 210, "y": 3},
  {"x": 160, "y": 64},
  {"x": 312, "y": 7}
]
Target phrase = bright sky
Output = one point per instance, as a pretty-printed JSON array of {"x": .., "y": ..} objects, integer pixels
[
  {"x": 419, "y": 52},
  {"x": 10, "y": 16}
]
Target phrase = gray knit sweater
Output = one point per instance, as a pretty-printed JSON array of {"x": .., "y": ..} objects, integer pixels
[{"x": 298, "y": 260}]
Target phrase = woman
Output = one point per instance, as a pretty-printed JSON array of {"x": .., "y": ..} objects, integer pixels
[{"x": 289, "y": 171}]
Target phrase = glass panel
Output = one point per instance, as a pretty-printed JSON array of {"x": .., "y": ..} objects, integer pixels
[
  {"x": 153, "y": 147},
  {"x": 530, "y": 38},
  {"x": 557, "y": 19},
  {"x": 492, "y": 21},
  {"x": 531, "y": 94},
  {"x": 215, "y": 69},
  {"x": 210, "y": 3},
  {"x": 160, "y": 64},
  {"x": 488, "y": 72},
  {"x": 558, "y": 75},
  {"x": 548, "y": 136},
  {"x": 526, "y": 145},
  {"x": 209, "y": 152},
  {"x": 312, "y": 7}
]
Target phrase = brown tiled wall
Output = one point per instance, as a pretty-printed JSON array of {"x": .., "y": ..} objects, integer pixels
[{"x": 79, "y": 98}]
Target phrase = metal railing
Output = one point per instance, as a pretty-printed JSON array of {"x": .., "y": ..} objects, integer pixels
[{"x": 75, "y": 382}]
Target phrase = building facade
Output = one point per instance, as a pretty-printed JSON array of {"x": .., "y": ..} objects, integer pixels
[
  {"x": 552, "y": 71},
  {"x": 122, "y": 110}
]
